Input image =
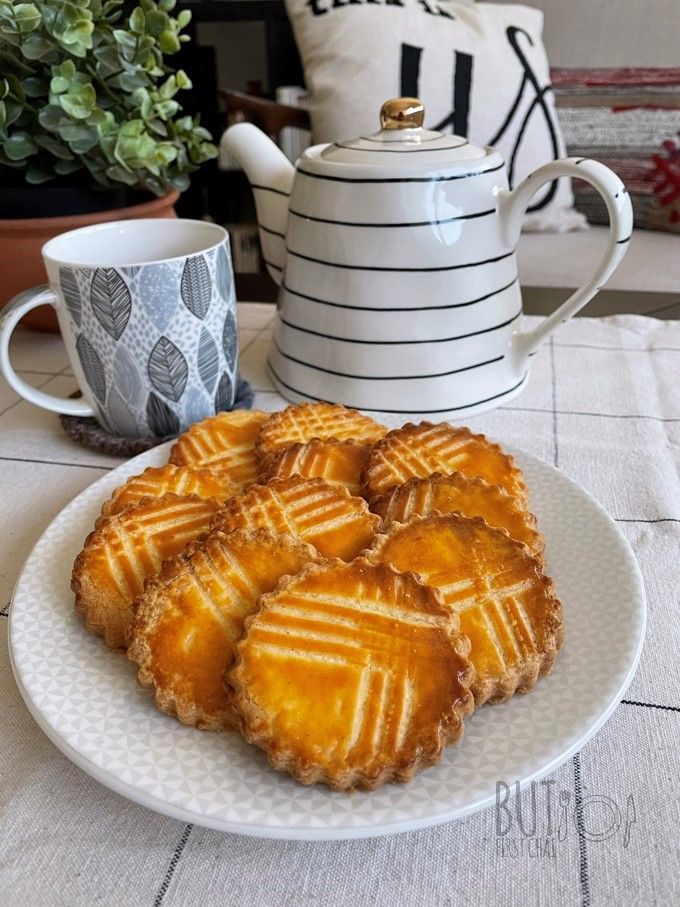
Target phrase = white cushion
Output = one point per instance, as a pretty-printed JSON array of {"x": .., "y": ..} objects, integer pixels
[
  {"x": 652, "y": 263},
  {"x": 587, "y": 33},
  {"x": 481, "y": 72}
]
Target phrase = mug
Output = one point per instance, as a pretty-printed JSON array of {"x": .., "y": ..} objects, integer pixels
[{"x": 147, "y": 311}]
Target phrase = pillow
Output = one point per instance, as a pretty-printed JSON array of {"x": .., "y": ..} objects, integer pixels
[
  {"x": 481, "y": 72},
  {"x": 628, "y": 119}
]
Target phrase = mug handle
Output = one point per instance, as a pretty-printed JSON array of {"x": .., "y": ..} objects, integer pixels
[
  {"x": 513, "y": 205},
  {"x": 12, "y": 313}
]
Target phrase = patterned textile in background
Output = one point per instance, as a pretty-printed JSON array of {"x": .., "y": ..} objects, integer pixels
[{"x": 628, "y": 119}]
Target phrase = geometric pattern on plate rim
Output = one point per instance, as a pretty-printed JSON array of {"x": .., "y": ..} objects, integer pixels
[{"x": 85, "y": 697}]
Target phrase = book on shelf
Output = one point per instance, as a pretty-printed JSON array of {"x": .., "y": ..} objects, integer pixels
[
  {"x": 244, "y": 241},
  {"x": 293, "y": 141}
]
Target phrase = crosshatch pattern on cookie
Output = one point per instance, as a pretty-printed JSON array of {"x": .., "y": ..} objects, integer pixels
[
  {"x": 159, "y": 480},
  {"x": 191, "y": 615},
  {"x": 457, "y": 493},
  {"x": 507, "y": 606},
  {"x": 302, "y": 422},
  {"x": 417, "y": 451},
  {"x": 335, "y": 461},
  {"x": 127, "y": 548},
  {"x": 321, "y": 513},
  {"x": 352, "y": 674},
  {"x": 225, "y": 442}
]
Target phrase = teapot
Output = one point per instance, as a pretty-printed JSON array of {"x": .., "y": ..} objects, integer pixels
[{"x": 394, "y": 254}]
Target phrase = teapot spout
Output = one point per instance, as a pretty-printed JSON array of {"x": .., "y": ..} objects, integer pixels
[{"x": 271, "y": 177}]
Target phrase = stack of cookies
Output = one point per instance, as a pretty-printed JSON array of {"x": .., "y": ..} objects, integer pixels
[{"x": 341, "y": 595}]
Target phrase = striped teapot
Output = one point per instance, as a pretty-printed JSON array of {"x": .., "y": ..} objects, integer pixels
[{"x": 395, "y": 259}]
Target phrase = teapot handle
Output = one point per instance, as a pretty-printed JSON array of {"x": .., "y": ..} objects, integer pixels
[{"x": 512, "y": 206}]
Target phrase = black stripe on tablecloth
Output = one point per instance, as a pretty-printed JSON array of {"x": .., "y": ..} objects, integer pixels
[
  {"x": 619, "y": 349},
  {"x": 425, "y": 308},
  {"x": 651, "y": 705},
  {"x": 584, "y": 878},
  {"x": 661, "y": 519},
  {"x": 553, "y": 372},
  {"x": 495, "y": 327},
  {"x": 396, "y": 179},
  {"x": 330, "y": 371},
  {"x": 406, "y": 223},
  {"x": 575, "y": 412},
  {"x": 174, "y": 860},
  {"x": 338, "y": 264},
  {"x": 397, "y": 412},
  {"x": 576, "y": 760},
  {"x": 53, "y": 462}
]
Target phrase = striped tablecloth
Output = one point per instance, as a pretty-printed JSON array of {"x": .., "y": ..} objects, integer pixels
[{"x": 603, "y": 404}]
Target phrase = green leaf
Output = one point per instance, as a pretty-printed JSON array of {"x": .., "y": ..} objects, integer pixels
[
  {"x": 3, "y": 114},
  {"x": 79, "y": 102},
  {"x": 110, "y": 6},
  {"x": 50, "y": 117},
  {"x": 15, "y": 113},
  {"x": 27, "y": 17},
  {"x": 120, "y": 175},
  {"x": 167, "y": 5},
  {"x": 19, "y": 146},
  {"x": 35, "y": 47},
  {"x": 64, "y": 168},
  {"x": 35, "y": 87},
  {"x": 58, "y": 85},
  {"x": 137, "y": 21},
  {"x": 130, "y": 81},
  {"x": 166, "y": 109},
  {"x": 183, "y": 18},
  {"x": 182, "y": 79},
  {"x": 54, "y": 146},
  {"x": 65, "y": 70},
  {"x": 157, "y": 22},
  {"x": 166, "y": 153},
  {"x": 37, "y": 174},
  {"x": 80, "y": 34},
  {"x": 168, "y": 89},
  {"x": 168, "y": 42}
]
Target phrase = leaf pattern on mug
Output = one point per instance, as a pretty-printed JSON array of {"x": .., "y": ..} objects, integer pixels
[
  {"x": 122, "y": 417},
  {"x": 224, "y": 395},
  {"x": 92, "y": 367},
  {"x": 230, "y": 339},
  {"x": 162, "y": 420},
  {"x": 223, "y": 273},
  {"x": 196, "y": 286},
  {"x": 69, "y": 287},
  {"x": 111, "y": 301},
  {"x": 208, "y": 360},
  {"x": 168, "y": 369}
]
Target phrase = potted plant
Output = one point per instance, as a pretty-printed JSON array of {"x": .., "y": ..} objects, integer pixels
[{"x": 90, "y": 127}]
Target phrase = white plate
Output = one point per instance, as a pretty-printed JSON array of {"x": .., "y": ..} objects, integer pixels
[{"x": 85, "y": 698}]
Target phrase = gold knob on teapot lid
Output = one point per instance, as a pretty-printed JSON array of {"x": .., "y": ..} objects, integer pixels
[{"x": 402, "y": 113}]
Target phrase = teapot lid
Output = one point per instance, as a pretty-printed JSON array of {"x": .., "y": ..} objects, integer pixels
[{"x": 402, "y": 133}]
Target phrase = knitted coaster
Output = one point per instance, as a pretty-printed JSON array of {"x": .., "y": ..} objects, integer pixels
[{"x": 88, "y": 432}]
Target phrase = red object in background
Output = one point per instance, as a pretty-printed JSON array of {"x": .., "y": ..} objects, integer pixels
[{"x": 666, "y": 178}]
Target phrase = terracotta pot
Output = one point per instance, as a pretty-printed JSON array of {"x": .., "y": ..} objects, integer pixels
[{"x": 21, "y": 240}]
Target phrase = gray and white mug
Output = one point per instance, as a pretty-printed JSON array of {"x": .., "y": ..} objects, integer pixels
[{"x": 147, "y": 311}]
